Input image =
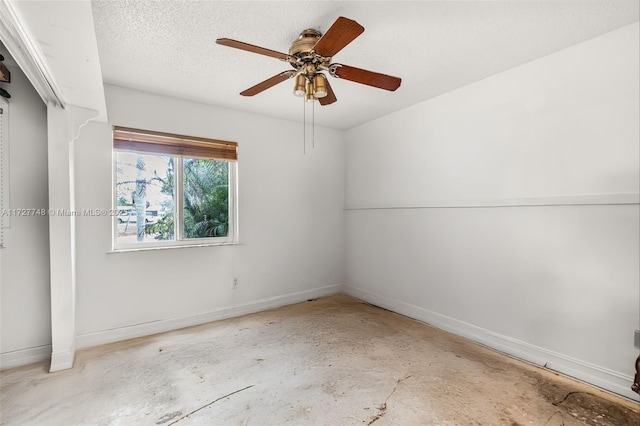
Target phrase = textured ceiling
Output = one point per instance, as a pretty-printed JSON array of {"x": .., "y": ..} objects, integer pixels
[{"x": 169, "y": 47}]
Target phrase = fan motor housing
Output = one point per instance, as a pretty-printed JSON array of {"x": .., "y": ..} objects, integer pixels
[
  {"x": 302, "y": 47},
  {"x": 303, "y": 56}
]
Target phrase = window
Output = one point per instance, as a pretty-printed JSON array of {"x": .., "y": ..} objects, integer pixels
[{"x": 172, "y": 190}]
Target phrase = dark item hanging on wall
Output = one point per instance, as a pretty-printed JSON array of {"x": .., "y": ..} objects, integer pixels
[
  {"x": 5, "y": 75},
  {"x": 636, "y": 380}
]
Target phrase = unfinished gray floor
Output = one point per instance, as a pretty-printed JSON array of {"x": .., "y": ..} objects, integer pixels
[{"x": 332, "y": 361}]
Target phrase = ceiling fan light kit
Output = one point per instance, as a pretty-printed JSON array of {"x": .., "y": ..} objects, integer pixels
[
  {"x": 300, "y": 89},
  {"x": 310, "y": 55},
  {"x": 319, "y": 86}
]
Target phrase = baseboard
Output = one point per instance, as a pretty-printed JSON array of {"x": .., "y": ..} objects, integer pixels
[
  {"x": 24, "y": 357},
  {"x": 606, "y": 379},
  {"x": 161, "y": 326}
]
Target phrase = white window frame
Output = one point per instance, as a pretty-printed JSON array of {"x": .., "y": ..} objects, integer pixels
[{"x": 178, "y": 240}]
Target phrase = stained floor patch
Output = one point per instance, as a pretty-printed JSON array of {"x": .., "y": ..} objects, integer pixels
[{"x": 332, "y": 361}]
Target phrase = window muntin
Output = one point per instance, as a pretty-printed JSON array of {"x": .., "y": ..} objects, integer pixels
[{"x": 186, "y": 199}]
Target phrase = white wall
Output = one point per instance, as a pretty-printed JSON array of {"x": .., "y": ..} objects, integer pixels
[
  {"x": 25, "y": 323},
  {"x": 507, "y": 211},
  {"x": 291, "y": 224}
]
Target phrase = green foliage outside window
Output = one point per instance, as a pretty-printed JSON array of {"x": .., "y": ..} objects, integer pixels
[
  {"x": 206, "y": 201},
  {"x": 206, "y": 198}
]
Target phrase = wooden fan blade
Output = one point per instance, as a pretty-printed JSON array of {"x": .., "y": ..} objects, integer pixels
[
  {"x": 341, "y": 33},
  {"x": 270, "y": 82},
  {"x": 251, "y": 48},
  {"x": 330, "y": 98},
  {"x": 370, "y": 78}
]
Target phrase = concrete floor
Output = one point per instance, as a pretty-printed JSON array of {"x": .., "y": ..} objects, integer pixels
[{"x": 331, "y": 361}]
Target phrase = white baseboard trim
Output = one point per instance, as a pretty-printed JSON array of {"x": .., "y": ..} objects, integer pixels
[
  {"x": 24, "y": 357},
  {"x": 609, "y": 380},
  {"x": 161, "y": 326},
  {"x": 62, "y": 360}
]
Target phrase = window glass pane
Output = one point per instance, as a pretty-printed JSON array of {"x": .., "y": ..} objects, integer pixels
[
  {"x": 144, "y": 189},
  {"x": 206, "y": 198}
]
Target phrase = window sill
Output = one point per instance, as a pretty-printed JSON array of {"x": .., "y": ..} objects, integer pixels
[{"x": 182, "y": 246}]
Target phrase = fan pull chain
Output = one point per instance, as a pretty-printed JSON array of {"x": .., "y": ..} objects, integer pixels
[
  {"x": 313, "y": 125},
  {"x": 304, "y": 126}
]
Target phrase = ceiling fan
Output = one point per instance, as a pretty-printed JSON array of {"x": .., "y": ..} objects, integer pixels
[{"x": 311, "y": 54}]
